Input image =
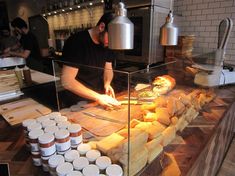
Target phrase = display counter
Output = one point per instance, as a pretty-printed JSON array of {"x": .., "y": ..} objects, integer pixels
[{"x": 197, "y": 147}]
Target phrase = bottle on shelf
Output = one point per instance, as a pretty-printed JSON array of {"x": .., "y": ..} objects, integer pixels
[
  {"x": 18, "y": 73},
  {"x": 27, "y": 76}
]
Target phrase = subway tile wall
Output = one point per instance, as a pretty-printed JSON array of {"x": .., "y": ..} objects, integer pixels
[
  {"x": 74, "y": 19},
  {"x": 202, "y": 18}
]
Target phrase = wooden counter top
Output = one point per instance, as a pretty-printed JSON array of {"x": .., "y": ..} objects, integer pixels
[{"x": 199, "y": 150}]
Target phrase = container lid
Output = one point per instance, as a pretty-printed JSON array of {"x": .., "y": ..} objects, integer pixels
[
  {"x": 114, "y": 170},
  {"x": 42, "y": 118},
  {"x": 55, "y": 160},
  {"x": 64, "y": 168},
  {"x": 60, "y": 118},
  {"x": 47, "y": 123},
  {"x": 90, "y": 170},
  {"x": 92, "y": 155},
  {"x": 34, "y": 126},
  {"x": 80, "y": 163},
  {"x": 51, "y": 129},
  {"x": 103, "y": 162},
  {"x": 83, "y": 148},
  {"x": 73, "y": 128},
  {"x": 102, "y": 175},
  {"x": 34, "y": 134},
  {"x": 28, "y": 122},
  {"x": 46, "y": 138},
  {"x": 61, "y": 134},
  {"x": 71, "y": 155},
  {"x": 55, "y": 114},
  {"x": 63, "y": 124},
  {"x": 74, "y": 173}
]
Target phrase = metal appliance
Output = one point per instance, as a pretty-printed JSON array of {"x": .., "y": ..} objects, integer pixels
[
  {"x": 212, "y": 71},
  {"x": 11, "y": 62},
  {"x": 147, "y": 16}
]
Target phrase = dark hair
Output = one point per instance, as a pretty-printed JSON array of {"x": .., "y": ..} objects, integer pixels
[
  {"x": 106, "y": 19},
  {"x": 19, "y": 23}
]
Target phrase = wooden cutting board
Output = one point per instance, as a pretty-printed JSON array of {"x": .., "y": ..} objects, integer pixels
[
  {"x": 16, "y": 112},
  {"x": 102, "y": 127},
  {"x": 8, "y": 81}
]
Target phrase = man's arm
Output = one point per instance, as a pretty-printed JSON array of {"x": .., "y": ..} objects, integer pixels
[
  {"x": 24, "y": 54},
  {"x": 108, "y": 77},
  {"x": 70, "y": 83}
]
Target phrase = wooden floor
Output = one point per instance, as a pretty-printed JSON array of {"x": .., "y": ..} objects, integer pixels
[{"x": 228, "y": 166}]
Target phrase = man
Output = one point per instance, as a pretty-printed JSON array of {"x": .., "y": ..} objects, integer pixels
[
  {"x": 89, "y": 48},
  {"x": 31, "y": 51}
]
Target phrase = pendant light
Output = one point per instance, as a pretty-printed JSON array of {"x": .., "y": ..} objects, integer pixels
[
  {"x": 121, "y": 30},
  {"x": 168, "y": 32}
]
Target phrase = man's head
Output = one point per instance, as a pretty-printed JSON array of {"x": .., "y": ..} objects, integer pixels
[
  {"x": 19, "y": 25},
  {"x": 103, "y": 27}
]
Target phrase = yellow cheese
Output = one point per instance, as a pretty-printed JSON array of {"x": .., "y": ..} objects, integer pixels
[
  {"x": 168, "y": 135},
  {"x": 154, "y": 149},
  {"x": 172, "y": 169}
]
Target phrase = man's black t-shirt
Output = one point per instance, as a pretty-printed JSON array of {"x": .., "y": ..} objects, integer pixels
[
  {"x": 29, "y": 42},
  {"x": 80, "y": 50}
]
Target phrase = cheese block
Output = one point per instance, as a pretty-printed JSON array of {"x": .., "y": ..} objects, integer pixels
[
  {"x": 148, "y": 106},
  {"x": 92, "y": 144},
  {"x": 109, "y": 142},
  {"x": 180, "y": 108},
  {"x": 134, "y": 122},
  {"x": 172, "y": 169},
  {"x": 163, "y": 116},
  {"x": 171, "y": 105},
  {"x": 174, "y": 120},
  {"x": 136, "y": 163},
  {"x": 180, "y": 123},
  {"x": 150, "y": 117},
  {"x": 154, "y": 149},
  {"x": 155, "y": 130},
  {"x": 168, "y": 135},
  {"x": 133, "y": 132},
  {"x": 143, "y": 126},
  {"x": 161, "y": 102}
]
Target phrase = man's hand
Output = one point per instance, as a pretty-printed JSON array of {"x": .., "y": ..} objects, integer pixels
[
  {"x": 109, "y": 91},
  {"x": 107, "y": 101}
]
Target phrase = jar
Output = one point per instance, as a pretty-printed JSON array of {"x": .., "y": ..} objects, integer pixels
[
  {"x": 71, "y": 155},
  {"x": 80, "y": 163},
  {"x": 62, "y": 141},
  {"x": 92, "y": 155},
  {"x": 74, "y": 173},
  {"x": 114, "y": 170},
  {"x": 75, "y": 131},
  {"x": 25, "y": 125},
  {"x": 45, "y": 165},
  {"x": 53, "y": 162},
  {"x": 103, "y": 162},
  {"x": 34, "y": 126},
  {"x": 33, "y": 139},
  {"x": 60, "y": 118},
  {"x": 51, "y": 129},
  {"x": 54, "y": 115},
  {"x": 63, "y": 125},
  {"x": 91, "y": 170},
  {"x": 42, "y": 118},
  {"x": 64, "y": 168},
  {"x": 36, "y": 157},
  {"x": 47, "y": 144},
  {"x": 47, "y": 123},
  {"x": 83, "y": 149}
]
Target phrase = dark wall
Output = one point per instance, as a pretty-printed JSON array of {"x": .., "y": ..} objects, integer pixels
[{"x": 4, "y": 21}]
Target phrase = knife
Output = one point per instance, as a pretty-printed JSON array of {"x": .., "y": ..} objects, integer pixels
[{"x": 102, "y": 117}]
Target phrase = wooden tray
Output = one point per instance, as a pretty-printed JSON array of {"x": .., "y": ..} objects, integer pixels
[
  {"x": 16, "y": 112},
  {"x": 102, "y": 127}
]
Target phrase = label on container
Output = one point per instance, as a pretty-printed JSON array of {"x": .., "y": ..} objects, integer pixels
[
  {"x": 34, "y": 147},
  {"x": 76, "y": 140},
  {"x": 60, "y": 147},
  {"x": 48, "y": 151}
]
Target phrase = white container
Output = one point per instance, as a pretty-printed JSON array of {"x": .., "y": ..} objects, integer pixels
[
  {"x": 53, "y": 162},
  {"x": 62, "y": 141},
  {"x": 34, "y": 126},
  {"x": 42, "y": 118},
  {"x": 47, "y": 123},
  {"x": 45, "y": 165},
  {"x": 83, "y": 149},
  {"x": 74, "y": 173},
  {"x": 71, "y": 155},
  {"x": 26, "y": 123},
  {"x": 75, "y": 131},
  {"x": 51, "y": 129},
  {"x": 114, "y": 170},
  {"x": 102, "y": 175},
  {"x": 64, "y": 168},
  {"x": 80, "y": 163},
  {"x": 60, "y": 119},
  {"x": 47, "y": 144},
  {"x": 103, "y": 162},
  {"x": 92, "y": 155},
  {"x": 63, "y": 125},
  {"x": 33, "y": 139},
  {"x": 36, "y": 157},
  {"x": 53, "y": 115},
  {"x": 91, "y": 170}
]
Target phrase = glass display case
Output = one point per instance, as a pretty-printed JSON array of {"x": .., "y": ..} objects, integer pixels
[{"x": 155, "y": 104}]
